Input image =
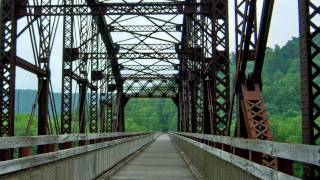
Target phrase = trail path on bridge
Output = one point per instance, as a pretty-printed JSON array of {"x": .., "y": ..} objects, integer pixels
[{"x": 159, "y": 161}]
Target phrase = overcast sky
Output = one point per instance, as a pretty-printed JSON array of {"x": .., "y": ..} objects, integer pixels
[{"x": 284, "y": 26}]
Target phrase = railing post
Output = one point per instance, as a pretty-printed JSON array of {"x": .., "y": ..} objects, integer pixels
[{"x": 25, "y": 152}]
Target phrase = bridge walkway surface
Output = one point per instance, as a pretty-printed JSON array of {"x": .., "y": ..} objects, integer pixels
[{"x": 161, "y": 160}]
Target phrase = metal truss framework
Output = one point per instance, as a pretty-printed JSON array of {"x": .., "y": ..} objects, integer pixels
[
  {"x": 8, "y": 57},
  {"x": 309, "y": 11},
  {"x": 181, "y": 52},
  {"x": 252, "y": 120},
  {"x": 179, "y": 7}
]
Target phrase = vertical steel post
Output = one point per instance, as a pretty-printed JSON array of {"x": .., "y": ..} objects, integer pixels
[
  {"x": 82, "y": 66},
  {"x": 43, "y": 101},
  {"x": 82, "y": 105},
  {"x": 8, "y": 31},
  {"x": 199, "y": 106},
  {"x": 122, "y": 101},
  {"x": 93, "y": 126},
  {"x": 180, "y": 105},
  {"x": 207, "y": 95},
  {"x": 43, "y": 82},
  {"x": 193, "y": 110},
  {"x": 68, "y": 57},
  {"x": 109, "y": 107},
  {"x": 309, "y": 50},
  {"x": 241, "y": 12},
  {"x": 109, "y": 112},
  {"x": 221, "y": 79}
]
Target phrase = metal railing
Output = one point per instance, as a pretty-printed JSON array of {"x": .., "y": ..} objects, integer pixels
[
  {"x": 227, "y": 150},
  {"x": 296, "y": 152},
  {"x": 92, "y": 144}
]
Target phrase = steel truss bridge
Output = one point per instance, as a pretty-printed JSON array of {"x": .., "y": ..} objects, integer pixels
[{"x": 114, "y": 50}]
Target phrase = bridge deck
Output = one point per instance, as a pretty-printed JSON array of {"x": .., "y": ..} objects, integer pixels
[{"x": 159, "y": 161}]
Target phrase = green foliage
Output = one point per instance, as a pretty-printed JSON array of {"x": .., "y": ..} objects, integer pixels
[
  {"x": 281, "y": 91},
  {"x": 21, "y": 122},
  {"x": 151, "y": 115},
  {"x": 286, "y": 127}
]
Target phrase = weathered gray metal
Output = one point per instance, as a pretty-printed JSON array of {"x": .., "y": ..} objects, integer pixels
[
  {"x": 85, "y": 162},
  {"x": 25, "y": 141},
  {"x": 296, "y": 152},
  {"x": 214, "y": 163}
]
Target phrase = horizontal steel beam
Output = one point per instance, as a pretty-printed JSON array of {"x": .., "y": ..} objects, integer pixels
[
  {"x": 81, "y": 80},
  {"x": 114, "y": 9},
  {"x": 146, "y": 28},
  {"x": 131, "y": 55},
  {"x": 132, "y": 95},
  {"x": 149, "y": 77},
  {"x": 147, "y": 56},
  {"x": 157, "y": 47},
  {"x": 157, "y": 88},
  {"x": 149, "y": 67},
  {"x": 31, "y": 67}
]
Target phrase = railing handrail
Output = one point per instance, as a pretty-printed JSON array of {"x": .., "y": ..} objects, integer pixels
[
  {"x": 297, "y": 152},
  {"x": 41, "y": 159},
  {"x": 26, "y": 141},
  {"x": 255, "y": 169}
]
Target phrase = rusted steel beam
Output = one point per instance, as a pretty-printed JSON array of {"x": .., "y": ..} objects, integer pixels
[
  {"x": 121, "y": 115},
  {"x": 80, "y": 79},
  {"x": 43, "y": 85},
  {"x": 66, "y": 100},
  {"x": 30, "y": 67},
  {"x": 82, "y": 110},
  {"x": 146, "y": 28},
  {"x": 256, "y": 121},
  {"x": 193, "y": 98},
  {"x": 309, "y": 52},
  {"x": 156, "y": 47},
  {"x": 43, "y": 82},
  {"x": 101, "y": 9},
  {"x": 43, "y": 101},
  {"x": 94, "y": 100},
  {"x": 247, "y": 90},
  {"x": 8, "y": 45},
  {"x": 207, "y": 107},
  {"x": 262, "y": 41}
]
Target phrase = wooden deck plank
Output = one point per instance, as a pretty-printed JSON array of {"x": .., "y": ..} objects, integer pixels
[{"x": 160, "y": 160}]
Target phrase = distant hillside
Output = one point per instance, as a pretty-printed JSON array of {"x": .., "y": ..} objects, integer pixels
[
  {"x": 141, "y": 114},
  {"x": 25, "y": 98}
]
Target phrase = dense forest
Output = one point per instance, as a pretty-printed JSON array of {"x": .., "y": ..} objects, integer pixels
[{"x": 281, "y": 91}]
